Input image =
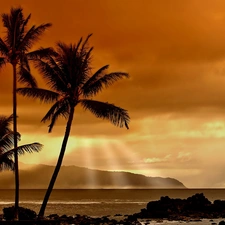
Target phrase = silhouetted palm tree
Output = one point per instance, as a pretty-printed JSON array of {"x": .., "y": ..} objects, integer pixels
[
  {"x": 14, "y": 49},
  {"x": 68, "y": 74},
  {"x": 6, "y": 144}
]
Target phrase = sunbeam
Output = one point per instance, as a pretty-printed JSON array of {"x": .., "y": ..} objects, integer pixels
[
  {"x": 88, "y": 160},
  {"x": 135, "y": 162},
  {"x": 113, "y": 163}
]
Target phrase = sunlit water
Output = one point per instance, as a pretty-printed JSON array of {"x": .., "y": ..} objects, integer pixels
[{"x": 102, "y": 202}]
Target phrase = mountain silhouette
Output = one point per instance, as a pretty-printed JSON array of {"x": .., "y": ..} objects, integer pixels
[{"x": 73, "y": 177}]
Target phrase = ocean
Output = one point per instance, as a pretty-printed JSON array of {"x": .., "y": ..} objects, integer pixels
[{"x": 101, "y": 202}]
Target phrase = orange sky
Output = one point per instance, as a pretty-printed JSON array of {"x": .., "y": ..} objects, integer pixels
[{"x": 174, "y": 52}]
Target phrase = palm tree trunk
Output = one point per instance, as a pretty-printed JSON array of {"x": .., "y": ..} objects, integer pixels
[
  {"x": 58, "y": 165},
  {"x": 16, "y": 213}
]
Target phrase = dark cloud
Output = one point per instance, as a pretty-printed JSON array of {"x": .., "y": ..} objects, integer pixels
[{"x": 171, "y": 49}]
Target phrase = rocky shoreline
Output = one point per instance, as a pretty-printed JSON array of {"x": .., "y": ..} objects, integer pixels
[{"x": 194, "y": 208}]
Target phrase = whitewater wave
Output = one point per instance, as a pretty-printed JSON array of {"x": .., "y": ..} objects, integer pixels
[{"x": 72, "y": 202}]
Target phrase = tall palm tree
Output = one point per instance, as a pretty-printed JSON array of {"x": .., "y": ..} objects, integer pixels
[
  {"x": 68, "y": 74},
  {"x": 14, "y": 49},
  {"x": 6, "y": 144}
]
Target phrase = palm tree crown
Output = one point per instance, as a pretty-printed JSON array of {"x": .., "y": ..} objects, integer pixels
[
  {"x": 6, "y": 144},
  {"x": 67, "y": 72},
  {"x": 18, "y": 41}
]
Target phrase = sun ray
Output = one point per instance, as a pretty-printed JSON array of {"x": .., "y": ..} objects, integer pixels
[
  {"x": 113, "y": 163},
  {"x": 138, "y": 164},
  {"x": 87, "y": 156}
]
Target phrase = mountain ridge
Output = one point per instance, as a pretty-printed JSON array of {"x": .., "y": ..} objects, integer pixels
[{"x": 74, "y": 177}]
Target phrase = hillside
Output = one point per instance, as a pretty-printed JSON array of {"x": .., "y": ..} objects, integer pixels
[{"x": 72, "y": 177}]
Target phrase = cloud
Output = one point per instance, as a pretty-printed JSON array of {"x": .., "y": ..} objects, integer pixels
[
  {"x": 184, "y": 156},
  {"x": 173, "y": 62},
  {"x": 174, "y": 52},
  {"x": 157, "y": 160}
]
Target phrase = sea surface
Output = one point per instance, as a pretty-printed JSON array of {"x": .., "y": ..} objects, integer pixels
[{"x": 101, "y": 202}]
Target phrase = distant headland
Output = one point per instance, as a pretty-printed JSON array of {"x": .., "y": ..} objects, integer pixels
[{"x": 73, "y": 177}]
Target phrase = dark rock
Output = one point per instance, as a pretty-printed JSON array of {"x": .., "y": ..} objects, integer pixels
[
  {"x": 63, "y": 216},
  {"x": 222, "y": 222},
  {"x": 196, "y": 206},
  {"x": 219, "y": 205},
  {"x": 53, "y": 216},
  {"x": 24, "y": 213}
]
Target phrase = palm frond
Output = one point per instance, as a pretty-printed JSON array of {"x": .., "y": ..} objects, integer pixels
[
  {"x": 61, "y": 48},
  {"x": 43, "y": 95},
  {"x": 54, "y": 76},
  {"x": 25, "y": 77},
  {"x": 62, "y": 111},
  {"x": 95, "y": 77},
  {"x": 2, "y": 62},
  {"x": 52, "y": 110},
  {"x": 104, "y": 81},
  {"x": 3, "y": 48},
  {"x": 22, "y": 149},
  {"x": 6, "y": 134},
  {"x": 24, "y": 61},
  {"x": 29, "y": 148},
  {"x": 5, "y": 123},
  {"x": 13, "y": 22},
  {"x": 25, "y": 24},
  {"x": 74, "y": 65},
  {"x": 32, "y": 36},
  {"x": 6, "y": 20},
  {"x": 82, "y": 56},
  {"x": 7, "y": 141},
  {"x": 85, "y": 66},
  {"x": 6, "y": 163},
  {"x": 77, "y": 46},
  {"x": 41, "y": 53},
  {"x": 79, "y": 68},
  {"x": 61, "y": 79},
  {"x": 116, "y": 115},
  {"x": 60, "y": 108},
  {"x": 83, "y": 47}
]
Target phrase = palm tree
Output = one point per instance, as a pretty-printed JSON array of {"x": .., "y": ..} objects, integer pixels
[
  {"x": 14, "y": 49},
  {"x": 6, "y": 145},
  {"x": 68, "y": 74}
]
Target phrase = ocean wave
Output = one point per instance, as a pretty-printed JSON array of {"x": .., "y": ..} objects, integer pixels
[{"x": 72, "y": 202}]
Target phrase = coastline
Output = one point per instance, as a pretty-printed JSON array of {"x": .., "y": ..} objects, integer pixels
[{"x": 196, "y": 209}]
